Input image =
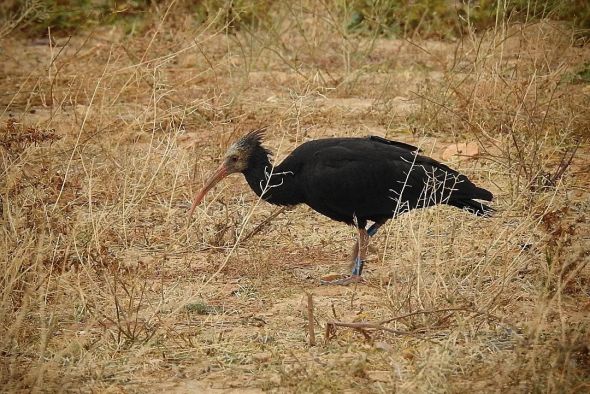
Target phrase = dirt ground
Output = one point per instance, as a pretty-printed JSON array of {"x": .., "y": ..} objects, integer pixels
[{"x": 108, "y": 287}]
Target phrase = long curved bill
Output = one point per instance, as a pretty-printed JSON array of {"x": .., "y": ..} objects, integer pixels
[{"x": 218, "y": 175}]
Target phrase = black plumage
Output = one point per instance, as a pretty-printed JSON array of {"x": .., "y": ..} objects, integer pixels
[{"x": 351, "y": 180}]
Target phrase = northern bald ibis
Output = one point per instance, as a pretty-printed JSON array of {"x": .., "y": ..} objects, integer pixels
[{"x": 351, "y": 180}]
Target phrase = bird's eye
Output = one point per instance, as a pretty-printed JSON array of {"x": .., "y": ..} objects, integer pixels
[{"x": 234, "y": 158}]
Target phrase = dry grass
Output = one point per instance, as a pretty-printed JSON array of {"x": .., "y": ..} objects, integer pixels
[{"x": 106, "y": 287}]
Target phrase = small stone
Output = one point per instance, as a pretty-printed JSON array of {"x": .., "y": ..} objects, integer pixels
[
  {"x": 262, "y": 356},
  {"x": 386, "y": 347},
  {"x": 275, "y": 378},
  {"x": 331, "y": 277},
  {"x": 302, "y": 274},
  {"x": 379, "y": 376}
]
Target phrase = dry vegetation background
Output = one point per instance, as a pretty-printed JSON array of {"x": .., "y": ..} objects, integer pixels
[{"x": 107, "y": 129}]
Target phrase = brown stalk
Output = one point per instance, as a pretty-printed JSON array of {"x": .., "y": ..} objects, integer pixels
[
  {"x": 364, "y": 327},
  {"x": 310, "y": 319},
  {"x": 361, "y": 327},
  {"x": 564, "y": 163},
  {"x": 264, "y": 223}
]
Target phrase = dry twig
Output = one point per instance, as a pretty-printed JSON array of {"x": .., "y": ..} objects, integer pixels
[
  {"x": 363, "y": 327},
  {"x": 310, "y": 319},
  {"x": 265, "y": 222}
]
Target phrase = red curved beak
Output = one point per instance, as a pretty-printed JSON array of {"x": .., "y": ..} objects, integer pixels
[{"x": 218, "y": 175}]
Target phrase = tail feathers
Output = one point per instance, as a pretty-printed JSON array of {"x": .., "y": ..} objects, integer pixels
[
  {"x": 474, "y": 207},
  {"x": 482, "y": 194}
]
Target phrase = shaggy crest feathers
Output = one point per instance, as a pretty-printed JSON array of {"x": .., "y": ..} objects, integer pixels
[{"x": 252, "y": 140}]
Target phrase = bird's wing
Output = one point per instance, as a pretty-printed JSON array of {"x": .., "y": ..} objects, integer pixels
[
  {"x": 346, "y": 180},
  {"x": 402, "y": 145},
  {"x": 372, "y": 180}
]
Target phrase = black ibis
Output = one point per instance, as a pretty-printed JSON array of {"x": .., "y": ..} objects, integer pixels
[{"x": 351, "y": 180}]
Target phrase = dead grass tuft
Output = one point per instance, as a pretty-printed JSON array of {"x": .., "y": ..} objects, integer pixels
[{"x": 14, "y": 140}]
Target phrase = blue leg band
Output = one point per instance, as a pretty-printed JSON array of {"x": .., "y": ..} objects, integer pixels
[
  {"x": 373, "y": 229},
  {"x": 357, "y": 270}
]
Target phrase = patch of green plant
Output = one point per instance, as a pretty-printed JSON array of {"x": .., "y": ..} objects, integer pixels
[
  {"x": 59, "y": 16},
  {"x": 426, "y": 18},
  {"x": 201, "y": 308},
  {"x": 400, "y": 18},
  {"x": 486, "y": 12},
  {"x": 580, "y": 76},
  {"x": 584, "y": 74},
  {"x": 234, "y": 15},
  {"x": 69, "y": 16},
  {"x": 576, "y": 11},
  {"x": 446, "y": 19}
]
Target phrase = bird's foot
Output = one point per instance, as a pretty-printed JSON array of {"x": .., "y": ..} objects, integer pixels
[{"x": 340, "y": 280}]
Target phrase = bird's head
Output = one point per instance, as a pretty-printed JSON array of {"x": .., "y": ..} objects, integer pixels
[{"x": 236, "y": 159}]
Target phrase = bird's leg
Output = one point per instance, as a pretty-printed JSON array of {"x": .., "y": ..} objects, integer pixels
[
  {"x": 359, "y": 255},
  {"x": 362, "y": 245},
  {"x": 355, "y": 251},
  {"x": 372, "y": 230}
]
